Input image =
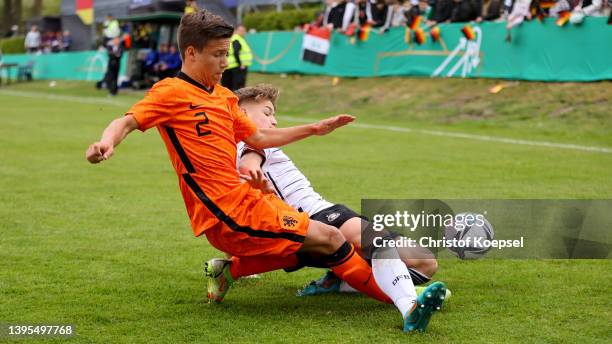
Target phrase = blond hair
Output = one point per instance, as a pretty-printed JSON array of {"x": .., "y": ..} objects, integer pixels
[{"x": 258, "y": 93}]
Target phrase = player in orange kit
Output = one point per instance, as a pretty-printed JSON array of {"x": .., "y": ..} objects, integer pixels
[{"x": 200, "y": 123}]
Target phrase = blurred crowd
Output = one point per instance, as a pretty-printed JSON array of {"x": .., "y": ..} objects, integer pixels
[
  {"x": 345, "y": 15},
  {"x": 153, "y": 61},
  {"x": 161, "y": 64},
  {"x": 47, "y": 42}
]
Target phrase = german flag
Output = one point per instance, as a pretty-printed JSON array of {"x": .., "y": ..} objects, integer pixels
[
  {"x": 364, "y": 32},
  {"x": 419, "y": 36},
  {"x": 416, "y": 22},
  {"x": 84, "y": 9},
  {"x": 563, "y": 18},
  {"x": 435, "y": 33},
  {"x": 468, "y": 32}
]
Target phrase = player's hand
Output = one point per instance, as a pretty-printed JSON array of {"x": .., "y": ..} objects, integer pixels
[
  {"x": 99, "y": 151},
  {"x": 258, "y": 181},
  {"x": 326, "y": 126}
]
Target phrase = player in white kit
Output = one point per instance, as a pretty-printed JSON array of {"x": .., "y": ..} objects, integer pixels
[{"x": 282, "y": 177}]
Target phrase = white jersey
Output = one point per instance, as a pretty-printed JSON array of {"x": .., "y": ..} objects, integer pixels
[{"x": 290, "y": 184}]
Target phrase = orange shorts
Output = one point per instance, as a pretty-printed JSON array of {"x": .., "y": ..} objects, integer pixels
[{"x": 260, "y": 225}]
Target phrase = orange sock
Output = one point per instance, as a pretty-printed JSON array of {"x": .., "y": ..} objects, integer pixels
[
  {"x": 355, "y": 271},
  {"x": 245, "y": 266}
]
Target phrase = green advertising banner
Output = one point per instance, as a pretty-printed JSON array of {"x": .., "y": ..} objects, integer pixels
[
  {"x": 538, "y": 51},
  {"x": 82, "y": 65}
]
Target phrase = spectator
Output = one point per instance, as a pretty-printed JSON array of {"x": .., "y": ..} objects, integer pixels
[
  {"x": 329, "y": 5},
  {"x": 537, "y": 10},
  {"x": 340, "y": 15},
  {"x": 126, "y": 38},
  {"x": 13, "y": 32},
  {"x": 398, "y": 12},
  {"x": 169, "y": 63},
  {"x": 432, "y": 11},
  {"x": 316, "y": 23},
  {"x": 45, "y": 43},
  {"x": 507, "y": 8},
  {"x": 142, "y": 36},
  {"x": 425, "y": 8},
  {"x": 381, "y": 15},
  {"x": 150, "y": 60},
  {"x": 33, "y": 40},
  {"x": 590, "y": 7},
  {"x": 442, "y": 11},
  {"x": 563, "y": 6},
  {"x": 466, "y": 11},
  {"x": 115, "y": 51},
  {"x": 363, "y": 13},
  {"x": 413, "y": 12},
  {"x": 56, "y": 42},
  {"x": 493, "y": 10},
  {"x": 477, "y": 10},
  {"x": 163, "y": 52},
  {"x": 144, "y": 75},
  {"x": 111, "y": 29},
  {"x": 520, "y": 11},
  {"x": 174, "y": 59},
  {"x": 238, "y": 62},
  {"x": 66, "y": 41}
]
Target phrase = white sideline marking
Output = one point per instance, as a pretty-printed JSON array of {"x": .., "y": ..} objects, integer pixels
[
  {"x": 465, "y": 136},
  {"x": 115, "y": 102},
  {"x": 75, "y": 99}
]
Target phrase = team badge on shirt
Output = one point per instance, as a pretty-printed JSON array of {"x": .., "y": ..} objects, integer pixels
[{"x": 289, "y": 221}]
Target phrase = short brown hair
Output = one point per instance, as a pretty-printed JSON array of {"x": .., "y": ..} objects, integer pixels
[
  {"x": 258, "y": 93},
  {"x": 199, "y": 27}
]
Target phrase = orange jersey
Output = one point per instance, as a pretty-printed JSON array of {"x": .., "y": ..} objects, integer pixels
[{"x": 200, "y": 128}]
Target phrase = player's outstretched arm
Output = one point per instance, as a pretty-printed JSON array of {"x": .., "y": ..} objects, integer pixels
[
  {"x": 276, "y": 137},
  {"x": 250, "y": 162},
  {"x": 116, "y": 131},
  {"x": 249, "y": 168}
]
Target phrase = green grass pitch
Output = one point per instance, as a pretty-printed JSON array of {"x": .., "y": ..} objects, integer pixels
[{"x": 109, "y": 249}]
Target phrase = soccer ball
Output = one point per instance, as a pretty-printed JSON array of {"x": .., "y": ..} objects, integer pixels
[{"x": 471, "y": 230}]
